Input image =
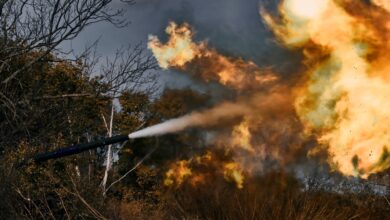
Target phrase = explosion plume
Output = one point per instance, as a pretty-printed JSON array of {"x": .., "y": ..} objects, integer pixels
[
  {"x": 259, "y": 101},
  {"x": 340, "y": 103},
  {"x": 181, "y": 53},
  {"x": 345, "y": 99},
  {"x": 193, "y": 171}
]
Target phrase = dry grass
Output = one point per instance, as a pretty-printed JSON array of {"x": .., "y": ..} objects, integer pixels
[{"x": 275, "y": 196}]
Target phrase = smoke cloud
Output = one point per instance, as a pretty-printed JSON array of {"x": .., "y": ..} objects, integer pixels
[
  {"x": 338, "y": 108},
  {"x": 212, "y": 116}
]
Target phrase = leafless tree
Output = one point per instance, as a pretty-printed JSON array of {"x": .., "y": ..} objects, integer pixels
[
  {"x": 32, "y": 110},
  {"x": 42, "y": 25},
  {"x": 28, "y": 25},
  {"x": 39, "y": 27},
  {"x": 129, "y": 70}
]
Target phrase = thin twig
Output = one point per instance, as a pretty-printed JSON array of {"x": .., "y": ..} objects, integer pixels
[
  {"x": 132, "y": 169},
  {"x": 388, "y": 202}
]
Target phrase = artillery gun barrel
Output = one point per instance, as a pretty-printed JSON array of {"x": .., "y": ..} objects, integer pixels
[{"x": 76, "y": 149}]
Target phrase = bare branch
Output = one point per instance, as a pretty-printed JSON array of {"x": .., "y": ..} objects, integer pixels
[
  {"x": 134, "y": 168},
  {"x": 44, "y": 24},
  {"x": 129, "y": 70}
]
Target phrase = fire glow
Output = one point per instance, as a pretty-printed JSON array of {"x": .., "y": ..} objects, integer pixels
[
  {"x": 345, "y": 101},
  {"x": 342, "y": 99}
]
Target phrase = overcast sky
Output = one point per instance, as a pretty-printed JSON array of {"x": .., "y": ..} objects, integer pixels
[{"x": 233, "y": 27}]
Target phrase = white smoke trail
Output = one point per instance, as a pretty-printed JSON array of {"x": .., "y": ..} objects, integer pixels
[{"x": 207, "y": 117}]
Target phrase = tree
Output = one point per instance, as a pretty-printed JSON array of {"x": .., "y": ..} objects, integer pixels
[
  {"x": 46, "y": 119},
  {"x": 39, "y": 27},
  {"x": 53, "y": 103},
  {"x": 31, "y": 25}
]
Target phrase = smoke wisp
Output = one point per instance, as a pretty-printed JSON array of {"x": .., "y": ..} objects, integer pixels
[{"x": 211, "y": 116}]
